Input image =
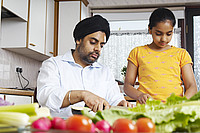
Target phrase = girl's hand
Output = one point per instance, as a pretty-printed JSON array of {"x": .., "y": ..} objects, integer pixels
[{"x": 142, "y": 98}]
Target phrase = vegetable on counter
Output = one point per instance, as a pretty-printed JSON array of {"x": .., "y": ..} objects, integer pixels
[
  {"x": 124, "y": 125},
  {"x": 42, "y": 124},
  {"x": 58, "y": 123},
  {"x": 79, "y": 123},
  {"x": 22, "y": 115},
  {"x": 145, "y": 125},
  {"x": 177, "y": 114},
  {"x": 103, "y": 126},
  {"x": 14, "y": 118},
  {"x": 29, "y": 109}
]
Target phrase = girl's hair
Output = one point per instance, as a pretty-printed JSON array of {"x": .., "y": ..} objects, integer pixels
[{"x": 161, "y": 15}]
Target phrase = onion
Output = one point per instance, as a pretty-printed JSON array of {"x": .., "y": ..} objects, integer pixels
[{"x": 103, "y": 126}]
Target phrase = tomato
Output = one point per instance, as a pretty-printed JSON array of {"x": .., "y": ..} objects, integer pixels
[
  {"x": 145, "y": 125},
  {"x": 79, "y": 123},
  {"x": 124, "y": 125}
]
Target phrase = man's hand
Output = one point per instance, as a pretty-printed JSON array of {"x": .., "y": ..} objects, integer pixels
[
  {"x": 142, "y": 98},
  {"x": 94, "y": 102},
  {"x": 125, "y": 104}
]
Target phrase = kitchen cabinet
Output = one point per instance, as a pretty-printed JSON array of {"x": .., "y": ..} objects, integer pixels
[
  {"x": 36, "y": 25},
  {"x": 17, "y": 7},
  {"x": 70, "y": 13},
  {"x": 34, "y": 37},
  {"x": 50, "y": 28}
]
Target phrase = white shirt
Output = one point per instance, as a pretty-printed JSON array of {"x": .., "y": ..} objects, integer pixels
[{"x": 60, "y": 74}]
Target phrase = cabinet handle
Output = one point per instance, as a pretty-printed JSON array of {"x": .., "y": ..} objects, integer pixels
[
  {"x": 32, "y": 44},
  {"x": 51, "y": 52}
]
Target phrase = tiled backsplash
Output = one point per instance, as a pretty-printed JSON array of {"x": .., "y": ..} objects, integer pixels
[{"x": 8, "y": 63}]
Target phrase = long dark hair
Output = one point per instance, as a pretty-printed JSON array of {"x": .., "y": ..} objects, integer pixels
[{"x": 161, "y": 15}]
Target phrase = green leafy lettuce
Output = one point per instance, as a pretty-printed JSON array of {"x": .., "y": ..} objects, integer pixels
[{"x": 177, "y": 114}]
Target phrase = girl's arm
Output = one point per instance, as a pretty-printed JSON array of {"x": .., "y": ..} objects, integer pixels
[
  {"x": 189, "y": 80},
  {"x": 129, "y": 89}
]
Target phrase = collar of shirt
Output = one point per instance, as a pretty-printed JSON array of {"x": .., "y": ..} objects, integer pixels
[{"x": 69, "y": 58}]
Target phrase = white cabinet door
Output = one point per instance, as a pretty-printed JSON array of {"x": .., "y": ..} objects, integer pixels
[
  {"x": 37, "y": 19},
  {"x": 69, "y": 16},
  {"x": 50, "y": 28},
  {"x": 84, "y": 11},
  {"x": 18, "y": 7}
]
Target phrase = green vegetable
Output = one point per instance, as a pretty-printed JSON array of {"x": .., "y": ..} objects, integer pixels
[
  {"x": 29, "y": 109},
  {"x": 14, "y": 119},
  {"x": 177, "y": 114},
  {"x": 95, "y": 118},
  {"x": 195, "y": 97},
  {"x": 32, "y": 110}
]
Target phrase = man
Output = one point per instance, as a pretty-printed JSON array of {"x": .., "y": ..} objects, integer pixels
[{"x": 76, "y": 78}]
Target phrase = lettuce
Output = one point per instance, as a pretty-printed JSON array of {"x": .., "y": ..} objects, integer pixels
[
  {"x": 195, "y": 97},
  {"x": 177, "y": 114}
]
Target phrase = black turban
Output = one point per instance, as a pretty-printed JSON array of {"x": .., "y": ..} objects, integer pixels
[{"x": 90, "y": 25}]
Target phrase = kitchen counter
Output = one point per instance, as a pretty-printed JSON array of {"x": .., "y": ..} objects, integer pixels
[
  {"x": 8, "y": 91},
  {"x": 17, "y": 96}
]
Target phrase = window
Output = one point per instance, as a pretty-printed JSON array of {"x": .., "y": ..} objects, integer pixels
[{"x": 193, "y": 39}]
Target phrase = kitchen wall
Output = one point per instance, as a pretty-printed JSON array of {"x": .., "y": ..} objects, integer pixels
[{"x": 8, "y": 63}]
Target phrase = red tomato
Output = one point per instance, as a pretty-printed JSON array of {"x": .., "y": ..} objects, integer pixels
[
  {"x": 145, "y": 125},
  {"x": 79, "y": 123},
  {"x": 124, "y": 125}
]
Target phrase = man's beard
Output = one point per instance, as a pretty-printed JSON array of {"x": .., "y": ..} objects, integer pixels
[{"x": 86, "y": 58}]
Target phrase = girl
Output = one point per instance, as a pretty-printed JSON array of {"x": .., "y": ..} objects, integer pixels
[{"x": 159, "y": 66}]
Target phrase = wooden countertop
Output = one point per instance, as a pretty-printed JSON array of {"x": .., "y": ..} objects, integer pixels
[
  {"x": 8, "y": 91},
  {"x": 129, "y": 99}
]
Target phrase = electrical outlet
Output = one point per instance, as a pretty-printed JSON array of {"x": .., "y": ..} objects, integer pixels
[{"x": 18, "y": 69}]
